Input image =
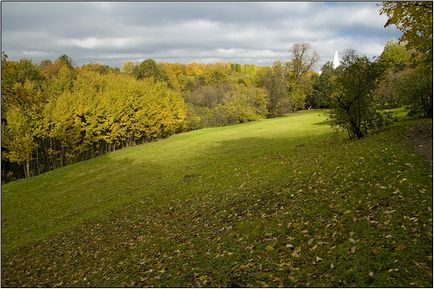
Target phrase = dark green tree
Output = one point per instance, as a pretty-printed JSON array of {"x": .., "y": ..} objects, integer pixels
[
  {"x": 352, "y": 99},
  {"x": 67, "y": 61},
  {"x": 322, "y": 88},
  {"x": 149, "y": 69}
]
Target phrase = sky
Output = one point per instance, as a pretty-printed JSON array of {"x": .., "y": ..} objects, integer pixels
[{"x": 255, "y": 32}]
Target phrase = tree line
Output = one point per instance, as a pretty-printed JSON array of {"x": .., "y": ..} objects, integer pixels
[{"x": 56, "y": 113}]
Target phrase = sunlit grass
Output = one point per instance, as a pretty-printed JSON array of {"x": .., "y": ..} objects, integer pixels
[{"x": 279, "y": 202}]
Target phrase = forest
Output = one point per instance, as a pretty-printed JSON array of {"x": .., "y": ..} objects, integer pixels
[{"x": 56, "y": 113}]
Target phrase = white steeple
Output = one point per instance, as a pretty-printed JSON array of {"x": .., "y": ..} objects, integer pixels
[{"x": 336, "y": 61}]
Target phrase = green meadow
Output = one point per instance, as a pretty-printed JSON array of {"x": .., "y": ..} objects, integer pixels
[{"x": 280, "y": 202}]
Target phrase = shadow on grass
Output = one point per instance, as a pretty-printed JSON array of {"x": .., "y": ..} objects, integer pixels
[
  {"x": 168, "y": 219},
  {"x": 61, "y": 199},
  {"x": 96, "y": 204}
]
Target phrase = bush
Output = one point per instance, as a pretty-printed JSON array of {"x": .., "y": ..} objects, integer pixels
[{"x": 352, "y": 98}]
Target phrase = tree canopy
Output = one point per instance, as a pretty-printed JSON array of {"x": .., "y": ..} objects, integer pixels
[{"x": 414, "y": 19}]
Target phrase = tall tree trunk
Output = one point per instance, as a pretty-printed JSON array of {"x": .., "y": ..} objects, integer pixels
[
  {"x": 51, "y": 156},
  {"x": 61, "y": 156},
  {"x": 26, "y": 167},
  {"x": 38, "y": 169}
]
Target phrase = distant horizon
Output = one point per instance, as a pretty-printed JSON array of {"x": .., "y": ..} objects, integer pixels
[
  {"x": 318, "y": 69},
  {"x": 247, "y": 33}
]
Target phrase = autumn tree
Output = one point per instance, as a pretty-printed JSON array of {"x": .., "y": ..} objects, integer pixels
[
  {"x": 299, "y": 72},
  {"x": 18, "y": 139},
  {"x": 303, "y": 58},
  {"x": 414, "y": 19},
  {"x": 128, "y": 68},
  {"x": 274, "y": 82},
  {"x": 56, "y": 113}
]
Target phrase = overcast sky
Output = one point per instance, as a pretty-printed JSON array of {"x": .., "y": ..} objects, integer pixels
[{"x": 261, "y": 33}]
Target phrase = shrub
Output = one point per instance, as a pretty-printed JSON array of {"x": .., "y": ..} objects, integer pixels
[{"x": 352, "y": 99}]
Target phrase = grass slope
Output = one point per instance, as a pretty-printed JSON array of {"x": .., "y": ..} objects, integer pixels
[{"x": 280, "y": 202}]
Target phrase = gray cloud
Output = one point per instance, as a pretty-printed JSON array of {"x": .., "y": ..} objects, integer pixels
[{"x": 261, "y": 33}]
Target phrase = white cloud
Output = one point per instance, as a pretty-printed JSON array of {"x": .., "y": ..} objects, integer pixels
[
  {"x": 35, "y": 53},
  {"x": 93, "y": 42},
  {"x": 240, "y": 32},
  {"x": 249, "y": 53}
]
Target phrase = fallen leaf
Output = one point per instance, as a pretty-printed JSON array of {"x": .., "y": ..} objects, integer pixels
[
  {"x": 269, "y": 248},
  {"x": 289, "y": 246}
]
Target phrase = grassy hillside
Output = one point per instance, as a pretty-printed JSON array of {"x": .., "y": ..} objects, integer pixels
[{"x": 280, "y": 202}]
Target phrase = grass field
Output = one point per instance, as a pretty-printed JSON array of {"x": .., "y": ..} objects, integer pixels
[{"x": 279, "y": 202}]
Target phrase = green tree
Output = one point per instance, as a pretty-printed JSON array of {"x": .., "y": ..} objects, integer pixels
[
  {"x": 414, "y": 19},
  {"x": 65, "y": 59},
  {"x": 352, "y": 98},
  {"x": 411, "y": 86},
  {"x": 322, "y": 87},
  {"x": 395, "y": 56},
  {"x": 393, "y": 60},
  {"x": 149, "y": 69}
]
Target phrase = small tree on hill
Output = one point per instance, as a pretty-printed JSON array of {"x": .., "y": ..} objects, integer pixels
[{"x": 352, "y": 98}]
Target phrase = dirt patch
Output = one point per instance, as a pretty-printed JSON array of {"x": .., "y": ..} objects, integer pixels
[{"x": 421, "y": 137}]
